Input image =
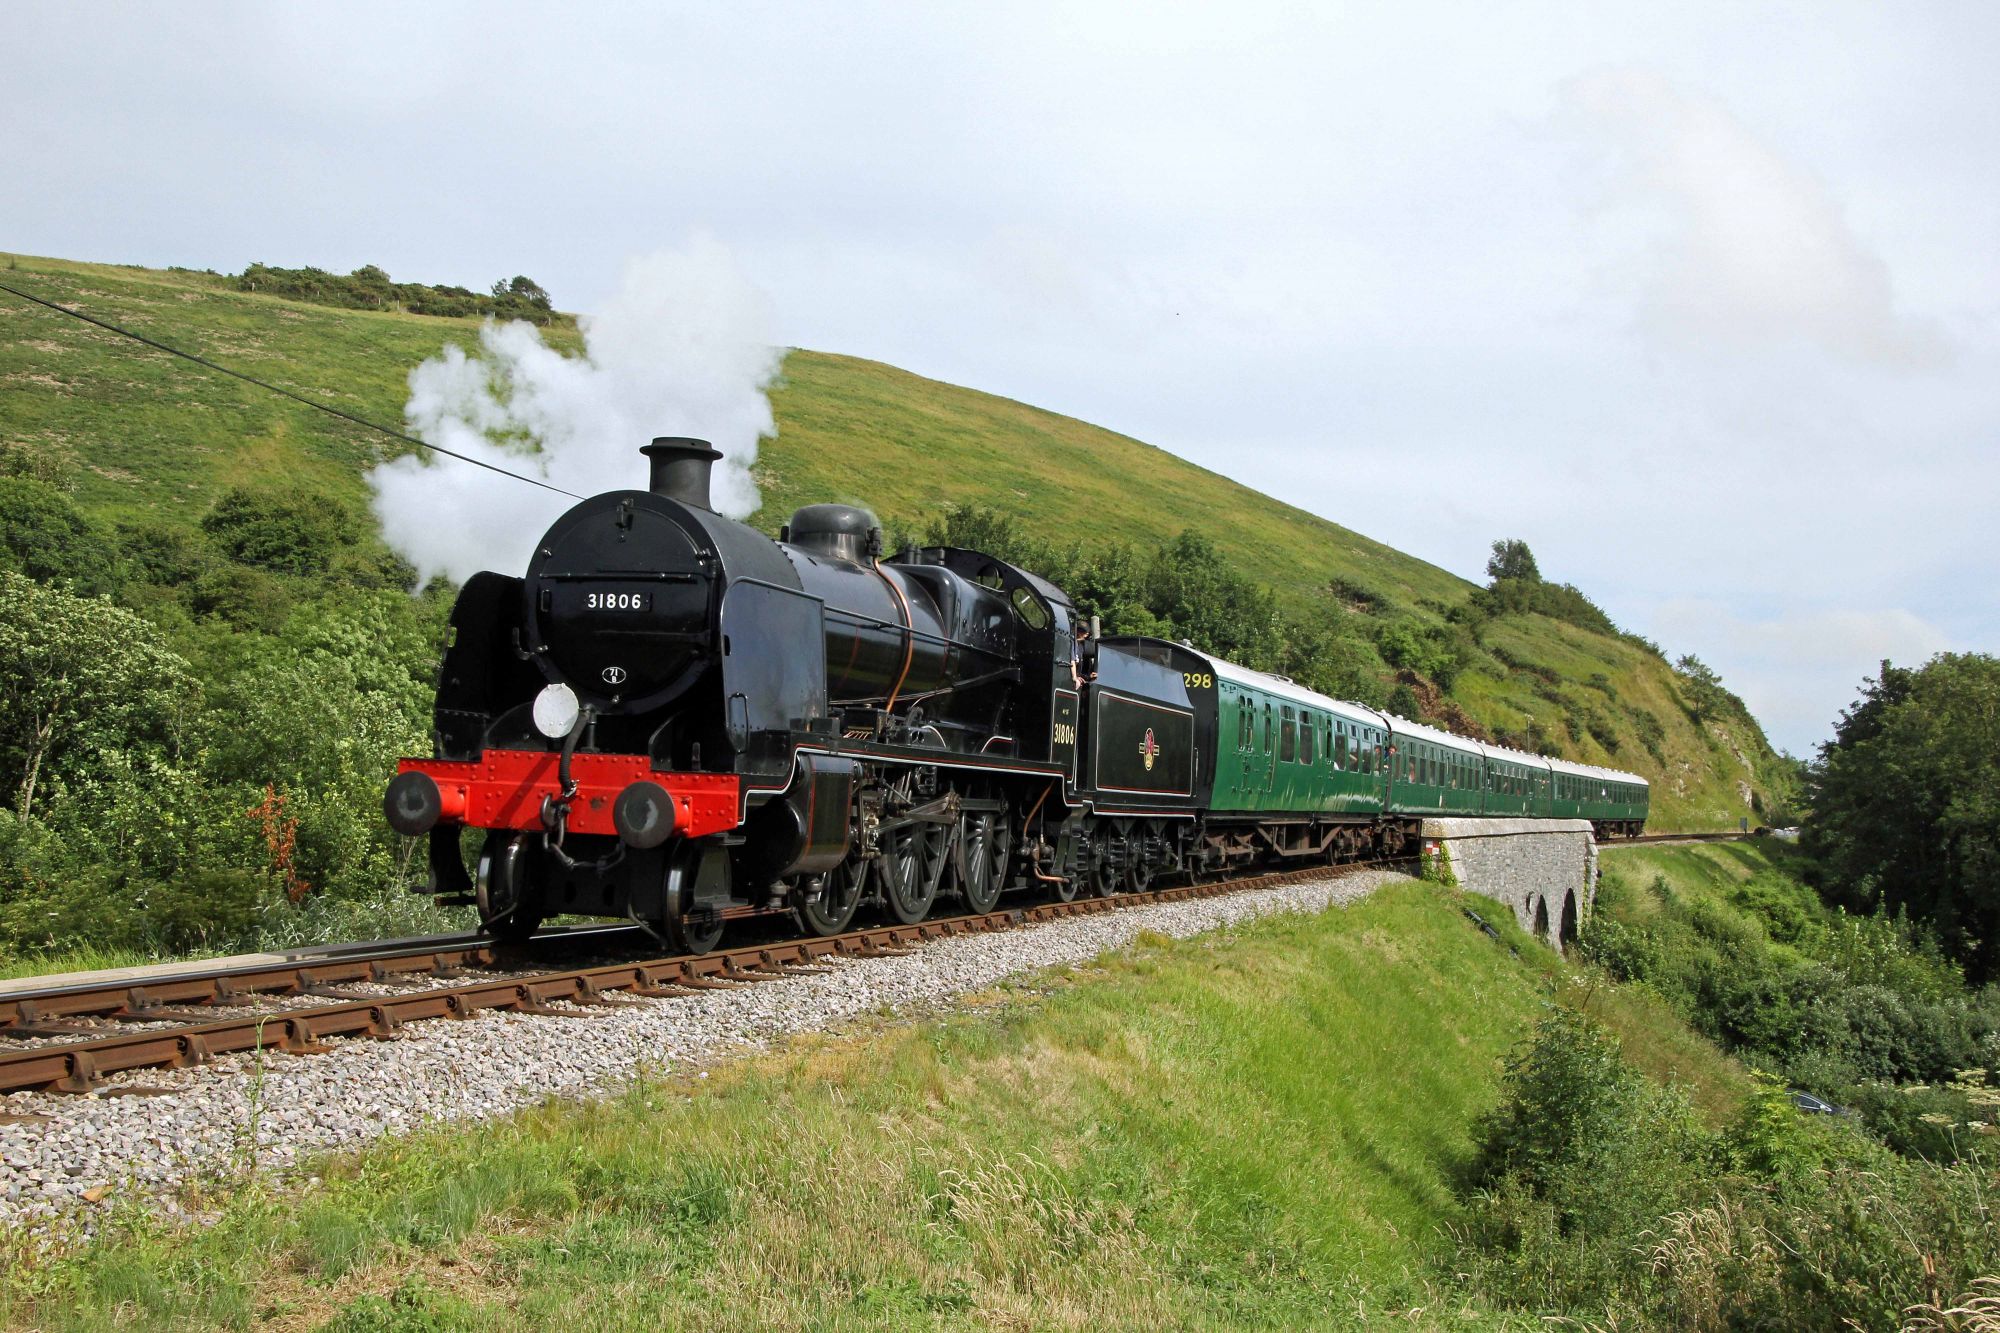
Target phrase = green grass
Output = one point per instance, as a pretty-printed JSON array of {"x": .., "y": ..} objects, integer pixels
[
  {"x": 160, "y": 439},
  {"x": 1709, "y": 869},
  {"x": 1256, "y": 1128},
  {"x": 73, "y": 960}
]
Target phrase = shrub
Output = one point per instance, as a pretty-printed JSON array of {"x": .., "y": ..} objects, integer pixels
[
  {"x": 45, "y": 536},
  {"x": 291, "y": 533},
  {"x": 54, "y": 465},
  {"x": 1597, "y": 1195}
]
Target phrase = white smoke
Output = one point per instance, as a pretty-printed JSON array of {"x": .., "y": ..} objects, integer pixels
[{"x": 683, "y": 348}]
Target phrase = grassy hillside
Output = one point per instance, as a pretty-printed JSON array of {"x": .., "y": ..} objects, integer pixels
[
  {"x": 1259, "y": 1128},
  {"x": 160, "y": 440}
]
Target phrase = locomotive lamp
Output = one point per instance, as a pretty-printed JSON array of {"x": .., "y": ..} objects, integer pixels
[{"x": 556, "y": 711}]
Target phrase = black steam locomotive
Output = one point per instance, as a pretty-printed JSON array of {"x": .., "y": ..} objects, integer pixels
[{"x": 674, "y": 719}]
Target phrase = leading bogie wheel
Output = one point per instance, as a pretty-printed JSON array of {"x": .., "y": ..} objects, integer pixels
[
  {"x": 697, "y": 931},
  {"x": 695, "y": 873},
  {"x": 509, "y": 899}
]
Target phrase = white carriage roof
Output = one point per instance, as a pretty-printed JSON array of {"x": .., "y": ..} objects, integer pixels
[
  {"x": 1570, "y": 766},
  {"x": 1402, "y": 726},
  {"x": 1297, "y": 693}
]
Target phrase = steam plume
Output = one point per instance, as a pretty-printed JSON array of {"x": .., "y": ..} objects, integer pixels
[{"x": 683, "y": 348}]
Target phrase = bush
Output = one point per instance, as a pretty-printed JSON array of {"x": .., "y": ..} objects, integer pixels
[
  {"x": 249, "y": 599},
  {"x": 1826, "y": 999},
  {"x": 53, "y": 465},
  {"x": 1436, "y": 652},
  {"x": 290, "y": 533},
  {"x": 370, "y": 288},
  {"x": 1597, "y": 1195},
  {"x": 45, "y": 536}
]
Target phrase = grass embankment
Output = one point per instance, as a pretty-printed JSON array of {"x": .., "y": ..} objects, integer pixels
[
  {"x": 1257, "y": 1127},
  {"x": 162, "y": 440}
]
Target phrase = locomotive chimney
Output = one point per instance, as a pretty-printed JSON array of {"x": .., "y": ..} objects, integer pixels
[{"x": 680, "y": 468}]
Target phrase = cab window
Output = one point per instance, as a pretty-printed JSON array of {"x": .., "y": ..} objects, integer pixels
[{"x": 1029, "y": 607}]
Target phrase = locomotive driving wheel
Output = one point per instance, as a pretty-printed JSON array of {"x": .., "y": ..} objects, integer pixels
[
  {"x": 510, "y": 902},
  {"x": 830, "y": 910},
  {"x": 908, "y": 870},
  {"x": 986, "y": 846}
]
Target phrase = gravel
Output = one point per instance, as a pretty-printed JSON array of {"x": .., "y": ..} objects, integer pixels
[{"x": 241, "y": 1114}]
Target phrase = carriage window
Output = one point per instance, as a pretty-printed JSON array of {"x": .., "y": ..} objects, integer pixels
[
  {"x": 1288, "y": 743},
  {"x": 1340, "y": 750},
  {"x": 1306, "y": 735}
]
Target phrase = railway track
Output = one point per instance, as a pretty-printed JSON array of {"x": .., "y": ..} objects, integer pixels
[{"x": 70, "y": 1035}]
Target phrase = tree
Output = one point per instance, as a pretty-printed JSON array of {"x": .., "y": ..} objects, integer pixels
[
  {"x": 522, "y": 289},
  {"x": 1906, "y": 803},
  {"x": 80, "y": 677},
  {"x": 1705, "y": 696},
  {"x": 1513, "y": 560}
]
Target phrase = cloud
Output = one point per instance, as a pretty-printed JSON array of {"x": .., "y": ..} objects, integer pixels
[
  {"x": 1797, "y": 671},
  {"x": 1733, "y": 243}
]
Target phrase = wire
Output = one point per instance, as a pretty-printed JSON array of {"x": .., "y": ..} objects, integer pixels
[{"x": 285, "y": 393}]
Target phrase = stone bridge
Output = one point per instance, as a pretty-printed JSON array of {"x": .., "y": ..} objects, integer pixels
[{"x": 1545, "y": 869}]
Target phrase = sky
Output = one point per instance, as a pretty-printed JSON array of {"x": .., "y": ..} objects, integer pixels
[{"x": 1698, "y": 299}]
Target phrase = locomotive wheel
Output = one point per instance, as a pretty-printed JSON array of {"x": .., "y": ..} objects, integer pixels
[
  {"x": 907, "y": 871},
  {"x": 1138, "y": 875},
  {"x": 694, "y": 930},
  {"x": 1103, "y": 875},
  {"x": 833, "y": 910},
  {"x": 510, "y": 902},
  {"x": 986, "y": 844}
]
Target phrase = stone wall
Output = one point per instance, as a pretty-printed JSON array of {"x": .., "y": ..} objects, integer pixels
[{"x": 1545, "y": 869}]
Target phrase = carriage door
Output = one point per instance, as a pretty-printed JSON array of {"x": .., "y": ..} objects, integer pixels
[{"x": 1270, "y": 751}]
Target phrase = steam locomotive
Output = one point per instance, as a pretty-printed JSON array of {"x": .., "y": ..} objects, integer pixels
[{"x": 676, "y": 720}]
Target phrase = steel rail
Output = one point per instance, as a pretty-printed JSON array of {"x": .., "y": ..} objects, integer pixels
[
  {"x": 81, "y": 1066},
  {"x": 115, "y": 991}
]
